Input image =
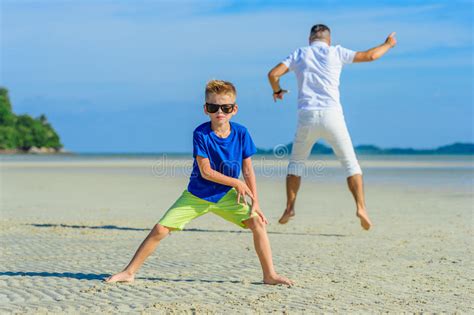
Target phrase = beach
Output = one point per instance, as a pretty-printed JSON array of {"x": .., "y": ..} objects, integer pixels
[{"x": 68, "y": 222}]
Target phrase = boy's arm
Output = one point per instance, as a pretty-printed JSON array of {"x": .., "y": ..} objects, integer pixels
[
  {"x": 214, "y": 176},
  {"x": 376, "y": 52},
  {"x": 249, "y": 176}
]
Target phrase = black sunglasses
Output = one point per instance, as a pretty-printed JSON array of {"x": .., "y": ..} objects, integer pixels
[{"x": 225, "y": 108}]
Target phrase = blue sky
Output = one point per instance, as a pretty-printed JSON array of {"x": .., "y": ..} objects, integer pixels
[{"x": 128, "y": 76}]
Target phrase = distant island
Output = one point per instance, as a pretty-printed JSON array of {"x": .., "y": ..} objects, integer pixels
[
  {"x": 24, "y": 134},
  {"x": 455, "y": 148}
]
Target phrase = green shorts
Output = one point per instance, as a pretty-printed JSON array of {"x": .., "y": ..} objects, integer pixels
[{"x": 188, "y": 207}]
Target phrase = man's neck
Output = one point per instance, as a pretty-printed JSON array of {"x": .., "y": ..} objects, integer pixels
[{"x": 319, "y": 41}]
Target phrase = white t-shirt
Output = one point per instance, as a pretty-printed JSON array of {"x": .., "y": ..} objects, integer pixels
[{"x": 318, "y": 68}]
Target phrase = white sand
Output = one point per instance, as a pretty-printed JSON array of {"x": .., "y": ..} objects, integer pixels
[{"x": 67, "y": 224}]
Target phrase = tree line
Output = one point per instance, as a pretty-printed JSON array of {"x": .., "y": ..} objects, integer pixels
[{"x": 22, "y": 132}]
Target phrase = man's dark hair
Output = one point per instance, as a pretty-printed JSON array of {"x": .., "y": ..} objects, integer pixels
[{"x": 319, "y": 32}]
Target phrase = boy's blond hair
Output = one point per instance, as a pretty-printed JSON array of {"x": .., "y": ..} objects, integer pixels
[{"x": 220, "y": 87}]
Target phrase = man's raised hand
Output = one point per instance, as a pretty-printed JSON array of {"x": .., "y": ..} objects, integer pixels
[{"x": 391, "y": 40}]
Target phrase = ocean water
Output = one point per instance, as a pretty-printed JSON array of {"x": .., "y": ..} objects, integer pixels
[
  {"x": 452, "y": 172},
  {"x": 455, "y": 172}
]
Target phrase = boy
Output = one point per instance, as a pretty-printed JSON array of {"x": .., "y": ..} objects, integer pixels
[{"x": 221, "y": 149}]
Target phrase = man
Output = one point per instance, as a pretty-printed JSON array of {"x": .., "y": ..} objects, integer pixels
[{"x": 318, "y": 68}]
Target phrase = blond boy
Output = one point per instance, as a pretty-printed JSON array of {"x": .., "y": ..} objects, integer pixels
[{"x": 221, "y": 148}]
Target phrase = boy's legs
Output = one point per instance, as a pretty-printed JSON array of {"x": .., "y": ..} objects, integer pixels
[
  {"x": 239, "y": 214},
  {"x": 185, "y": 209},
  {"x": 264, "y": 251},
  {"x": 147, "y": 247}
]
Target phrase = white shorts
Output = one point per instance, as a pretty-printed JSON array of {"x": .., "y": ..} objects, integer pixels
[{"x": 330, "y": 126}]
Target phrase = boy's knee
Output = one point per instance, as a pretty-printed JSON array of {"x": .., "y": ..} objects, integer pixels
[
  {"x": 159, "y": 231},
  {"x": 254, "y": 223}
]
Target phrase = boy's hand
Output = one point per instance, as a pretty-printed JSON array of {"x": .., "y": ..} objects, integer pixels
[
  {"x": 242, "y": 190},
  {"x": 256, "y": 209}
]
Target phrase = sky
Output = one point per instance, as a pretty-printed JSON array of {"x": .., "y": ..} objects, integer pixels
[{"x": 129, "y": 76}]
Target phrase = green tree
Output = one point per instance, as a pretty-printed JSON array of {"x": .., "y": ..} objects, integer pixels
[
  {"x": 8, "y": 137},
  {"x": 24, "y": 127},
  {"x": 4, "y": 99},
  {"x": 52, "y": 138},
  {"x": 7, "y": 118},
  {"x": 23, "y": 132}
]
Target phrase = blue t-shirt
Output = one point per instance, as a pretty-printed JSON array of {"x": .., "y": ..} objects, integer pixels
[{"x": 225, "y": 156}]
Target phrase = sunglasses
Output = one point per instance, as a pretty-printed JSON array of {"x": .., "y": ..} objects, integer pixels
[{"x": 225, "y": 108}]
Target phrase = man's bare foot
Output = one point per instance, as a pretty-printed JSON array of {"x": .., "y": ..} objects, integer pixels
[
  {"x": 364, "y": 219},
  {"x": 277, "y": 279},
  {"x": 123, "y": 276},
  {"x": 287, "y": 215}
]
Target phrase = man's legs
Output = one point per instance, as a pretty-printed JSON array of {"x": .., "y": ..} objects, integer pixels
[
  {"x": 305, "y": 137},
  {"x": 264, "y": 251},
  {"x": 293, "y": 183},
  {"x": 147, "y": 247},
  {"x": 337, "y": 135},
  {"x": 356, "y": 186}
]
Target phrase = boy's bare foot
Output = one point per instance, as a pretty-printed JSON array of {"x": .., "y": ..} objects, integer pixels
[
  {"x": 364, "y": 219},
  {"x": 277, "y": 279},
  {"x": 287, "y": 215},
  {"x": 123, "y": 276}
]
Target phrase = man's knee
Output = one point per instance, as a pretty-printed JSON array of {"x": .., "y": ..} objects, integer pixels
[
  {"x": 293, "y": 177},
  {"x": 354, "y": 173},
  {"x": 351, "y": 166},
  {"x": 296, "y": 168},
  {"x": 355, "y": 179},
  {"x": 354, "y": 176},
  {"x": 159, "y": 232}
]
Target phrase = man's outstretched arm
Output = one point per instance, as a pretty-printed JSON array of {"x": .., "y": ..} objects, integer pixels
[
  {"x": 376, "y": 52},
  {"x": 274, "y": 79}
]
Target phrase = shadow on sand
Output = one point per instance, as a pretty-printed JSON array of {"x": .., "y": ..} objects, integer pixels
[
  {"x": 114, "y": 227},
  {"x": 71, "y": 275},
  {"x": 102, "y": 276},
  {"x": 197, "y": 280}
]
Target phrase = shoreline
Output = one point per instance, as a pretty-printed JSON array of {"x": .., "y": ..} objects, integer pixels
[
  {"x": 185, "y": 161},
  {"x": 35, "y": 151}
]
